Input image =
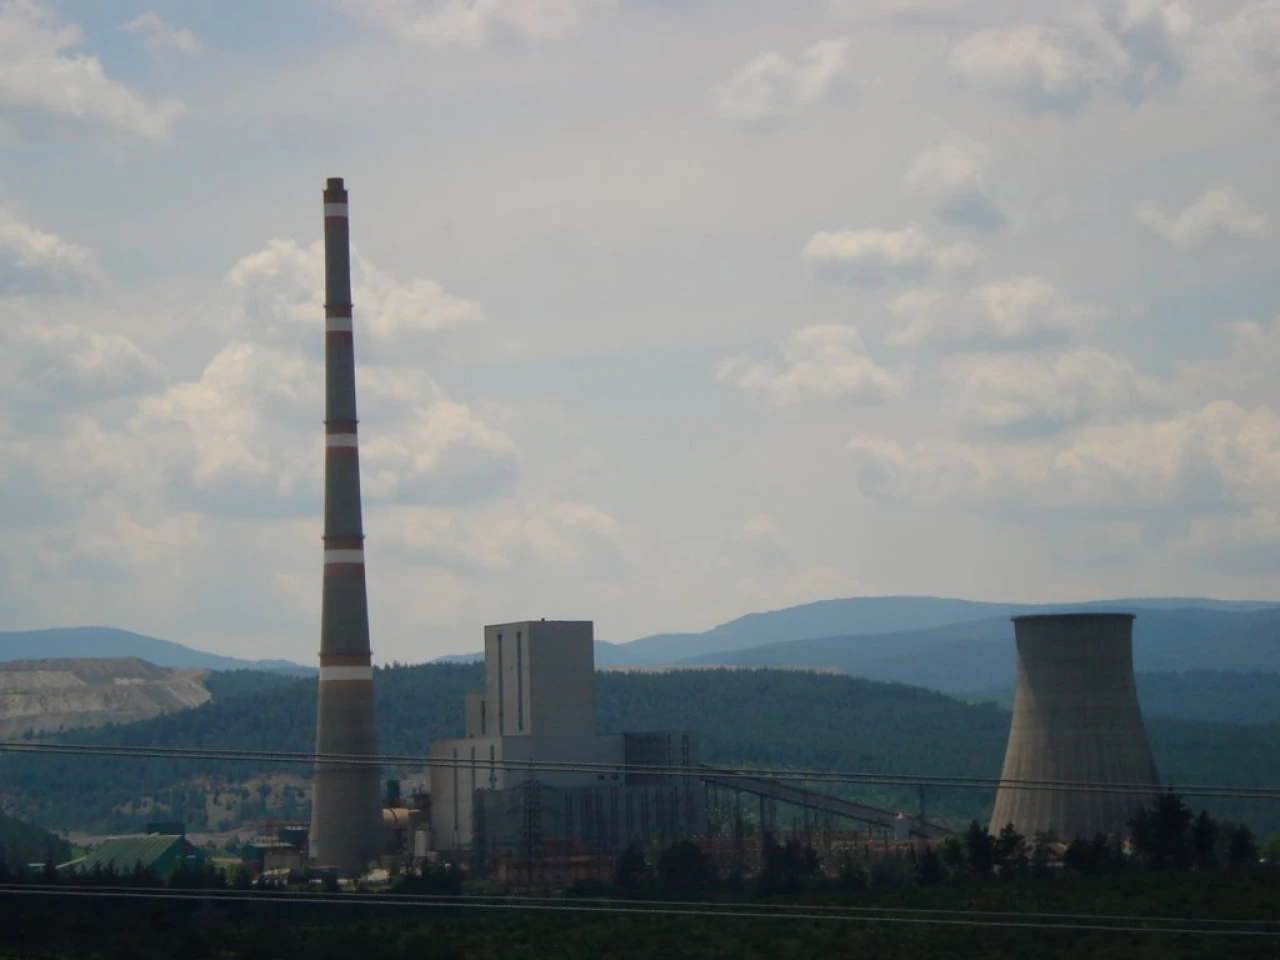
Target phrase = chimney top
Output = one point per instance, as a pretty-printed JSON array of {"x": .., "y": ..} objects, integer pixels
[{"x": 334, "y": 183}]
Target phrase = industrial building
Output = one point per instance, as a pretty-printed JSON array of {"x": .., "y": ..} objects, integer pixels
[
  {"x": 1075, "y": 719},
  {"x": 489, "y": 801},
  {"x": 159, "y": 854},
  {"x": 346, "y": 822}
]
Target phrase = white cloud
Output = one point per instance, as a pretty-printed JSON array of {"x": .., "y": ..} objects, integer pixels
[
  {"x": 49, "y": 368},
  {"x": 828, "y": 361},
  {"x": 1221, "y": 456},
  {"x": 1017, "y": 310},
  {"x": 248, "y": 432},
  {"x": 1242, "y": 53},
  {"x": 1129, "y": 52},
  {"x": 40, "y": 82},
  {"x": 476, "y": 22},
  {"x": 1045, "y": 391},
  {"x": 772, "y": 86},
  {"x": 952, "y": 175},
  {"x": 32, "y": 249},
  {"x": 874, "y": 257},
  {"x": 1250, "y": 369},
  {"x": 1219, "y": 213},
  {"x": 159, "y": 35},
  {"x": 282, "y": 291}
]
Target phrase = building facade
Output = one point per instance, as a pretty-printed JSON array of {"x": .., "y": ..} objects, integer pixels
[{"x": 489, "y": 797}]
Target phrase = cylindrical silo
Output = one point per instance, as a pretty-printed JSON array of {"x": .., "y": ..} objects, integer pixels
[{"x": 1075, "y": 718}]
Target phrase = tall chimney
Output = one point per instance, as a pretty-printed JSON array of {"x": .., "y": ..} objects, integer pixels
[
  {"x": 1075, "y": 718},
  {"x": 346, "y": 814}
]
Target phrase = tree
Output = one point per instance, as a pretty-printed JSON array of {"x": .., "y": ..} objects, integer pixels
[
  {"x": 1161, "y": 835},
  {"x": 1242, "y": 850},
  {"x": 953, "y": 853},
  {"x": 929, "y": 868},
  {"x": 1204, "y": 836},
  {"x": 786, "y": 869},
  {"x": 979, "y": 849},
  {"x": 1009, "y": 851},
  {"x": 684, "y": 871},
  {"x": 631, "y": 868}
]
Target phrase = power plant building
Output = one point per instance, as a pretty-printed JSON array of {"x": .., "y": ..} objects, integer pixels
[
  {"x": 346, "y": 822},
  {"x": 1076, "y": 719},
  {"x": 490, "y": 800}
]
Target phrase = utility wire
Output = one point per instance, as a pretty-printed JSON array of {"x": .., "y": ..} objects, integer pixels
[
  {"x": 735, "y": 912},
  {"x": 553, "y": 766},
  {"x": 793, "y": 907}
]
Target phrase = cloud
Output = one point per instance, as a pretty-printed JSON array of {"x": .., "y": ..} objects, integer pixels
[
  {"x": 51, "y": 368},
  {"x": 247, "y": 435},
  {"x": 1220, "y": 458},
  {"x": 875, "y": 258},
  {"x": 1243, "y": 51},
  {"x": 1251, "y": 367},
  {"x": 1130, "y": 52},
  {"x": 281, "y": 290},
  {"x": 1015, "y": 311},
  {"x": 1220, "y": 213},
  {"x": 43, "y": 85},
  {"x": 828, "y": 361},
  {"x": 472, "y": 23},
  {"x": 158, "y": 35},
  {"x": 31, "y": 249},
  {"x": 1046, "y": 391},
  {"x": 951, "y": 174},
  {"x": 772, "y": 86}
]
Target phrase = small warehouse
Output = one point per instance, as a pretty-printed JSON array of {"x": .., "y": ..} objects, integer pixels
[{"x": 159, "y": 855}]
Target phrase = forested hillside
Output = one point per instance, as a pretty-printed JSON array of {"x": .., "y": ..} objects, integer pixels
[
  {"x": 1216, "y": 696},
  {"x": 773, "y": 718},
  {"x": 22, "y": 843}
]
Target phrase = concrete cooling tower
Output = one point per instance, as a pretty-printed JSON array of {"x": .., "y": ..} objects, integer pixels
[
  {"x": 1075, "y": 718},
  {"x": 346, "y": 818}
]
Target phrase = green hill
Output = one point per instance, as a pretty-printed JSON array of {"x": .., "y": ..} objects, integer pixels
[
  {"x": 24, "y": 843},
  {"x": 1216, "y": 696},
  {"x": 774, "y": 718}
]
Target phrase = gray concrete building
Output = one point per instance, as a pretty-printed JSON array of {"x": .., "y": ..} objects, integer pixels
[
  {"x": 1076, "y": 719},
  {"x": 538, "y": 704}
]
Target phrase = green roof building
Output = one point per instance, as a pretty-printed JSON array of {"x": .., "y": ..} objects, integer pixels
[{"x": 160, "y": 855}]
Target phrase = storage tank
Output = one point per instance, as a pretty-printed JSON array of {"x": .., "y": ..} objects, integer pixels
[{"x": 1075, "y": 718}]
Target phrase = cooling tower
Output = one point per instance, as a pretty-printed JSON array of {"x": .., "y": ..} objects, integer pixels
[
  {"x": 1075, "y": 718},
  {"x": 346, "y": 816}
]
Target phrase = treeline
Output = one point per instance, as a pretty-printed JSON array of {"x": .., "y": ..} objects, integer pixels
[
  {"x": 748, "y": 718},
  {"x": 23, "y": 843}
]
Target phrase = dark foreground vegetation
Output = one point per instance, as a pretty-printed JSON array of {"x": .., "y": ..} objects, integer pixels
[
  {"x": 748, "y": 718},
  {"x": 1188, "y": 887}
]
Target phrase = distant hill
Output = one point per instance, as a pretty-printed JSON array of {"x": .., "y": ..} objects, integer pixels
[
  {"x": 43, "y": 695},
  {"x": 607, "y": 655},
  {"x": 1216, "y": 696},
  {"x": 747, "y": 717},
  {"x": 869, "y": 616},
  {"x": 110, "y": 642},
  {"x": 979, "y": 655}
]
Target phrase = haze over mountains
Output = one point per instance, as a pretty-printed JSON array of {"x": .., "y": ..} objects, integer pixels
[
  {"x": 954, "y": 646},
  {"x": 95, "y": 642}
]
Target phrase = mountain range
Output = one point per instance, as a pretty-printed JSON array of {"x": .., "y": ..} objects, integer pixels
[
  {"x": 99, "y": 642},
  {"x": 954, "y": 646}
]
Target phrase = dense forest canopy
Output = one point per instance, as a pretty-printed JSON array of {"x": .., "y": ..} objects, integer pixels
[{"x": 751, "y": 718}]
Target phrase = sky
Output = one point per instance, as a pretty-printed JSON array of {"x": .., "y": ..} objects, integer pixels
[{"x": 666, "y": 311}]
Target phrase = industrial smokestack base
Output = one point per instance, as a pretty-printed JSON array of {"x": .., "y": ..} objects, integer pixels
[
  {"x": 1075, "y": 718},
  {"x": 346, "y": 807}
]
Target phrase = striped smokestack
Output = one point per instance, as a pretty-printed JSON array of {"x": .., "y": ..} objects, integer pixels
[{"x": 346, "y": 816}]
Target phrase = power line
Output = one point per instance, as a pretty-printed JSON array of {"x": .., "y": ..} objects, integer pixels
[
  {"x": 816, "y": 776},
  {"x": 737, "y": 911}
]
